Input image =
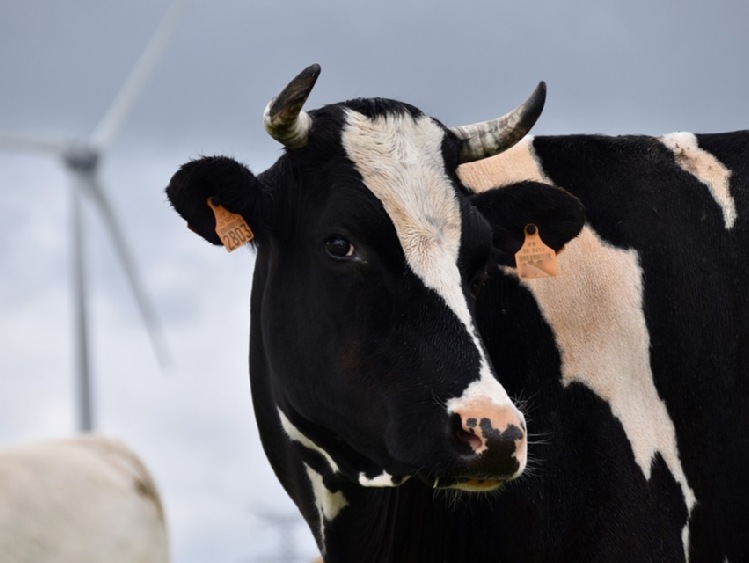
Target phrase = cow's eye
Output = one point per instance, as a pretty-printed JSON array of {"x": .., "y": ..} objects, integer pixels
[{"x": 339, "y": 247}]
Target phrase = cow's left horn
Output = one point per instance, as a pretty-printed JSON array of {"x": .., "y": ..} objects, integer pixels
[
  {"x": 488, "y": 138},
  {"x": 283, "y": 117}
]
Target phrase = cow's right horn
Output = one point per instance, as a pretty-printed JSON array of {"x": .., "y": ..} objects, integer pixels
[
  {"x": 488, "y": 138},
  {"x": 283, "y": 118}
]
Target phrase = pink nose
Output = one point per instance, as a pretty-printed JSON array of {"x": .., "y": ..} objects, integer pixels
[{"x": 482, "y": 428}]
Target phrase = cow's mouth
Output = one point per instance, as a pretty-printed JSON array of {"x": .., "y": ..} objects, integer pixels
[
  {"x": 368, "y": 472},
  {"x": 468, "y": 484}
]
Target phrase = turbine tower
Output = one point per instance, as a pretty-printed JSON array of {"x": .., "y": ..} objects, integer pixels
[
  {"x": 81, "y": 159},
  {"x": 285, "y": 523}
]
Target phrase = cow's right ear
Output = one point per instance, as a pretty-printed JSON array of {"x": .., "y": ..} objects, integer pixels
[{"x": 228, "y": 183}]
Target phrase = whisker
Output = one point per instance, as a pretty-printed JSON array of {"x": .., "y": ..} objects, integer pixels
[
  {"x": 539, "y": 442},
  {"x": 540, "y": 433},
  {"x": 437, "y": 401}
]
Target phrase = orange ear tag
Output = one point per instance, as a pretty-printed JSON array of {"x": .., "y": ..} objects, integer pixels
[
  {"x": 230, "y": 227},
  {"x": 535, "y": 259}
]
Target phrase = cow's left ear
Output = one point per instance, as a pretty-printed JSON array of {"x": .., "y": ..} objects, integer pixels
[
  {"x": 225, "y": 182},
  {"x": 558, "y": 215}
]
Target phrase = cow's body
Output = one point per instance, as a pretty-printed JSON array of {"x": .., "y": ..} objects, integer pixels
[
  {"x": 84, "y": 500},
  {"x": 369, "y": 375},
  {"x": 639, "y": 348}
]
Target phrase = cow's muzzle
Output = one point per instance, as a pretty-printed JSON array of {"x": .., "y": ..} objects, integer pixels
[{"x": 489, "y": 439}]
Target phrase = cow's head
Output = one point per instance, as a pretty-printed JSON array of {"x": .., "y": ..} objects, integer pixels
[{"x": 370, "y": 253}]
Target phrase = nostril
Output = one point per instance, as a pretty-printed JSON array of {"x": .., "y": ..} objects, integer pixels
[
  {"x": 466, "y": 441},
  {"x": 473, "y": 441}
]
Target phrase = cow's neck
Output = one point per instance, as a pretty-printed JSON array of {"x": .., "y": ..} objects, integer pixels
[
  {"x": 407, "y": 523},
  {"x": 379, "y": 525}
]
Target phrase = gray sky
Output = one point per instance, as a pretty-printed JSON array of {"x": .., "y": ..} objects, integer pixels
[{"x": 640, "y": 66}]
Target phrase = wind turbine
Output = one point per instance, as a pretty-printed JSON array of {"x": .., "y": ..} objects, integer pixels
[
  {"x": 81, "y": 159},
  {"x": 285, "y": 523}
]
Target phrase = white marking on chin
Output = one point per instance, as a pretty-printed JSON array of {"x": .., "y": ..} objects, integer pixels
[
  {"x": 400, "y": 161},
  {"x": 594, "y": 307},
  {"x": 706, "y": 168},
  {"x": 296, "y": 435},
  {"x": 329, "y": 504}
]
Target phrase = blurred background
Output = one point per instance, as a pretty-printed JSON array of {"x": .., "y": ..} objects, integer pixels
[{"x": 611, "y": 67}]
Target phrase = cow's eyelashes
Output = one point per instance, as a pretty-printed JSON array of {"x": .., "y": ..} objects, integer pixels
[{"x": 339, "y": 247}]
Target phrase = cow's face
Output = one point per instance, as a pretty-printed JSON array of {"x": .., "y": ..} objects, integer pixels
[{"x": 370, "y": 253}]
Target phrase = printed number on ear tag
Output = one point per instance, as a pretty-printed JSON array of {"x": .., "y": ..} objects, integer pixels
[
  {"x": 535, "y": 259},
  {"x": 231, "y": 228}
]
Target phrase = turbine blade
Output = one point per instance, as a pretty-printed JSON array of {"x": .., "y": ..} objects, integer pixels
[
  {"x": 147, "y": 313},
  {"x": 113, "y": 119},
  {"x": 27, "y": 143}
]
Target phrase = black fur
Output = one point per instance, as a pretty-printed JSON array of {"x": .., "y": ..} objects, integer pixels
[
  {"x": 229, "y": 184},
  {"x": 557, "y": 215}
]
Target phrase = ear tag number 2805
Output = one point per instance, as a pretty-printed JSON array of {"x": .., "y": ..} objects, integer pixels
[
  {"x": 535, "y": 259},
  {"x": 231, "y": 228}
]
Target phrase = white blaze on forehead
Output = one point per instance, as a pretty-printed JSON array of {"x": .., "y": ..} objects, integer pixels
[
  {"x": 706, "y": 168},
  {"x": 400, "y": 160}
]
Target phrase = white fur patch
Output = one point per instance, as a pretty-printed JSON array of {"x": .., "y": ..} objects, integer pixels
[
  {"x": 329, "y": 504},
  {"x": 400, "y": 161},
  {"x": 295, "y": 434},
  {"x": 517, "y": 164},
  {"x": 706, "y": 168},
  {"x": 594, "y": 307},
  {"x": 382, "y": 480}
]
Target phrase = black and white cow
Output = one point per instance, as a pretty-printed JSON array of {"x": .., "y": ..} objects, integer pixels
[{"x": 390, "y": 329}]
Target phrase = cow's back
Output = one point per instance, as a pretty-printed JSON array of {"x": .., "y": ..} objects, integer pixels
[{"x": 83, "y": 500}]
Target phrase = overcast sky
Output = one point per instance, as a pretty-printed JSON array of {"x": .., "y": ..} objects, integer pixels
[{"x": 635, "y": 66}]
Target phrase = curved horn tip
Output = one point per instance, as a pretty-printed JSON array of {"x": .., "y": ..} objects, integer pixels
[
  {"x": 312, "y": 70},
  {"x": 488, "y": 138},
  {"x": 283, "y": 118},
  {"x": 537, "y": 99},
  {"x": 533, "y": 107},
  {"x": 541, "y": 89},
  {"x": 296, "y": 92}
]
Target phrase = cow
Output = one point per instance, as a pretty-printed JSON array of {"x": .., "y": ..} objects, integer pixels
[
  {"x": 419, "y": 400},
  {"x": 86, "y": 499}
]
